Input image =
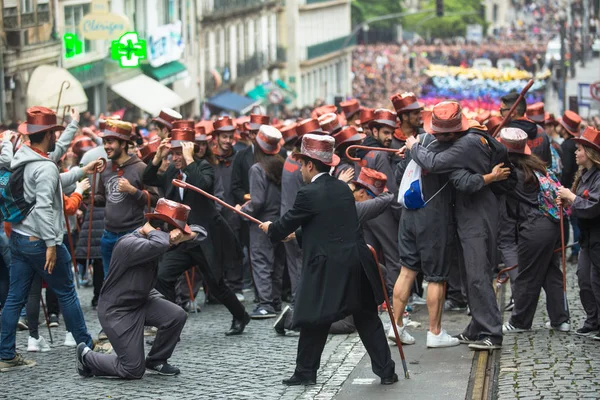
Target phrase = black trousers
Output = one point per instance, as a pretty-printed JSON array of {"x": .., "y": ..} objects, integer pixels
[
  {"x": 176, "y": 262},
  {"x": 370, "y": 329}
]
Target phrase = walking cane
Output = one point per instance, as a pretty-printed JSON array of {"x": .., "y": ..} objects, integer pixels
[
  {"x": 72, "y": 248},
  {"x": 185, "y": 185},
  {"x": 362, "y": 162},
  {"x": 46, "y": 316},
  {"x": 514, "y": 106},
  {"x": 97, "y": 170},
  {"x": 62, "y": 87},
  {"x": 191, "y": 288},
  {"x": 564, "y": 254},
  {"x": 391, "y": 314}
]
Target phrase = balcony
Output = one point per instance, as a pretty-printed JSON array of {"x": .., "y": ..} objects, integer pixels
[
  {"x": 251, "y": 65},
  {"x": 331, "y": 46},
  {"x": 220, "y": 9}
]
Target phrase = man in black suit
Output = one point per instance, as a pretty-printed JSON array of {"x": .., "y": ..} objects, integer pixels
[
  {"x": 212, "y": 253},
  {"x": 339, "y": 276}
]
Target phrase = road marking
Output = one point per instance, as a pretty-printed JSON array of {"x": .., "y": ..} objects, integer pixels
[{"x": 363, "y": 381}]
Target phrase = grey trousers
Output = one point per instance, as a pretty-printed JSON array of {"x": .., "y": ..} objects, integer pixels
[
  {"x": 293, "y": 260},
  {"x": 539, "y": 267},
  {"x": 267, "y": 268},
  {"x": 588, "y": 277},
  {"x": 476, "y": 275},
  {"x": 126, "y": 335}
]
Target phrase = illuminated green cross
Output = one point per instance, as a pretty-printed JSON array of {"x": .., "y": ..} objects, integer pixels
[{"x": 128, "y": 50}]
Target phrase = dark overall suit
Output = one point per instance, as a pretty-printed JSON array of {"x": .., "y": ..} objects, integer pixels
[
  {"x": 339, "y": 276},
  {"x": 213, "y": 253}
]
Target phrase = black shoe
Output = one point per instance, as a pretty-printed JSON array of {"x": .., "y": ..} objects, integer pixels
[
  {"x": 95, "y": 302},
  {"x": 464, "y": 339},
  {"x": 485, "y": 344},
  {"x": 389, "y": 380},
  {"x": 296, "y": 380},
  {"x": 279, "y": 324},
  {"x": 586, "y": 331},
  {"x": 163, "y": 368},
  {"x": 237, "y": 326},
  {"x": 53, "y": 321},
  {"x": 82, "y": 368}
]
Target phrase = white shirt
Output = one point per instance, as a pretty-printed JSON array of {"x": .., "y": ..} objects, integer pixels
[
  {"x": 317, "y": 175},
  {"x": 181, "y": 190}
]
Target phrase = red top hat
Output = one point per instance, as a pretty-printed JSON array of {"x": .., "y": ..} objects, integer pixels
[
  {"x": 350, "y": 107},
  {"x": 318, "y": 147},
  {"x": 590, "y": 138},
  {"x": 405, "y": 102},
  {"x": 385, "y": 117},
  {"x": 181, "y": 135},
  {"x": 492, "y": 124},
  {"x": 515, "y": 140},
  {"x": 184, "y": 124},
  {"x": 149, "y": 149},
  {"x": 571, "y": 122},
  {"x": 201, "y": 135},
  {"x": 288, "y": 132},
  {"x": 173, "y": 213},
  {"x": 166, "y": 117},
  {"x": 330, "y": 123},
  {"x": 446, "y": 117},
  {"x": 550, "y": 120},
  {"x": 366, "y": 115},
  {"x": 223, "y": 124},
  {"x": 82, "y": 144},
  {"x": 207, "y": 125},
  {"x": 122, "y": 131},
  {"x": 371, "y": 180},
  {"x": 536, "y": 113},
  {"x": 268, "y": 139},
  {"x": 309, "y": 125},
  {"x": 256, "y": 120},
  {"x": 39, "y": 119},
  {"x": 348, "y": 135},
  {"x": 317, "y": 112}
]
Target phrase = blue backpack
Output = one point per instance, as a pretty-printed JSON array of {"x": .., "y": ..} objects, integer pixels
[{"x": 13, "y": 206}]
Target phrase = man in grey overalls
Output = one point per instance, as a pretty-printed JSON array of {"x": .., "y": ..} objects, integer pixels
[{"x": 128, "y": 300}]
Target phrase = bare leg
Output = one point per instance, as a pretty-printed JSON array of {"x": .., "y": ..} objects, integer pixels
[
  {"x": 402, "y": 290},
  {"x": 435, "y": 304}
]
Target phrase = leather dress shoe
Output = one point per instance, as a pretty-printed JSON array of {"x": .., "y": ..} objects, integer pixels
[
  {"x": 389, "y": 380},
  {"x": 238, "y": 325},
  {"x": 279, "y": 324},
  {"x": 297, "y": 380}
]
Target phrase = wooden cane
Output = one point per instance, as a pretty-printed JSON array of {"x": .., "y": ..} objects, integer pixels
[
  {"x": 191, "y": 288},
  {"x": 62, "y": 87},
  {"x": 185, "y": 185},
  {"x": 564, "y": 254},
  {"x": 391, "y": 314},
  {"x": 46, "y": 316},
  {"x": 356, "y": 146},
  {"x": 513, "y": 108},
  {"x": 97, "y": 170},
  {"x": 72, "y": 248}
]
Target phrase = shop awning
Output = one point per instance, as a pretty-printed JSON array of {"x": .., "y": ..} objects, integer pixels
[
  {"x": 147, "y": 94},
  {"x": 167, "y": 73},
  {"x": 230, "y": 101},
  {"x": 44, "y": 89}
]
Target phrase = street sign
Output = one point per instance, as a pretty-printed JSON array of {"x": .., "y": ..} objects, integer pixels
[
  {"x": 101, "y": 24},
  {"x": 595, "y": 90},
  {"x": 128, "y": 50},
  {"x": 275, "y": 96},
  {"x": 474, "y": 33}
]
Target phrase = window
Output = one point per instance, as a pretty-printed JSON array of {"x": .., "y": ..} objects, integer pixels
[
  {"x": 170, "y": 14},
  {"x": 73, "y": 16},
  {"x": 26, "y": 6},
  {"x": 129, "y": 7}
]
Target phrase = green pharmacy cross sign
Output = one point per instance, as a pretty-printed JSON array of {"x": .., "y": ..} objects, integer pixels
[
  {"x": 73, "y": 46},
  {"x": 128, "y": 50}
]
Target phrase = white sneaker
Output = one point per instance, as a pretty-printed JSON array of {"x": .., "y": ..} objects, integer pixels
[
  {"x": 36, "y": 345},
  {"x": 240, "y": 297},
  {"x": 564, "y": 327},
  {"x": 441, "y": 340},
  {"x": 70, "y": 340},
  {"x": 405, "y": 337}
]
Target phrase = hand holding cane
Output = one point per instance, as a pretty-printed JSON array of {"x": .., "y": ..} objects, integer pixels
[{"x": 391, "y": 314}]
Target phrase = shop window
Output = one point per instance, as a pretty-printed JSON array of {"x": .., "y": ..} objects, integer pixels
[
  {"x": 129, "y": 7},
  {"x": 73, "y": 16}
]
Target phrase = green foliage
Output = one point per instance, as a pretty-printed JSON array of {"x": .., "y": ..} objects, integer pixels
[
  {"x": 448, "y": 25},
  {"x": 362, "y": 10}
]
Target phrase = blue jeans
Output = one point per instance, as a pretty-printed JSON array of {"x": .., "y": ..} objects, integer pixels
[
  {"x": 28, "y": 258},
  {"x": 107, "y": 244},
  {"x": 575, "y": 248}
]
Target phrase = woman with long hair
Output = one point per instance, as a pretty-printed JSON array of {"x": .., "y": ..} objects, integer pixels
[
  {"x": 584, "y": 198},
  {"x": 268, "y": 259},
  {"x": 537, "y": 234}
]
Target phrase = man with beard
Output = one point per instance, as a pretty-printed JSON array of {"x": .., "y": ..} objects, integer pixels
[
  {"x": 538, "y": 141},
  {"x": 213, "y": 253},
  {"x": 410, "y": 121},
  {"x": 382, "y": 126},
  {"x": 120, "y": 188}
]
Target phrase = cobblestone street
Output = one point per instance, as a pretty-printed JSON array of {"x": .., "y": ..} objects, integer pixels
[
  {"x": 549, "y": 364},
  {"x": 213, "y": 366}
]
